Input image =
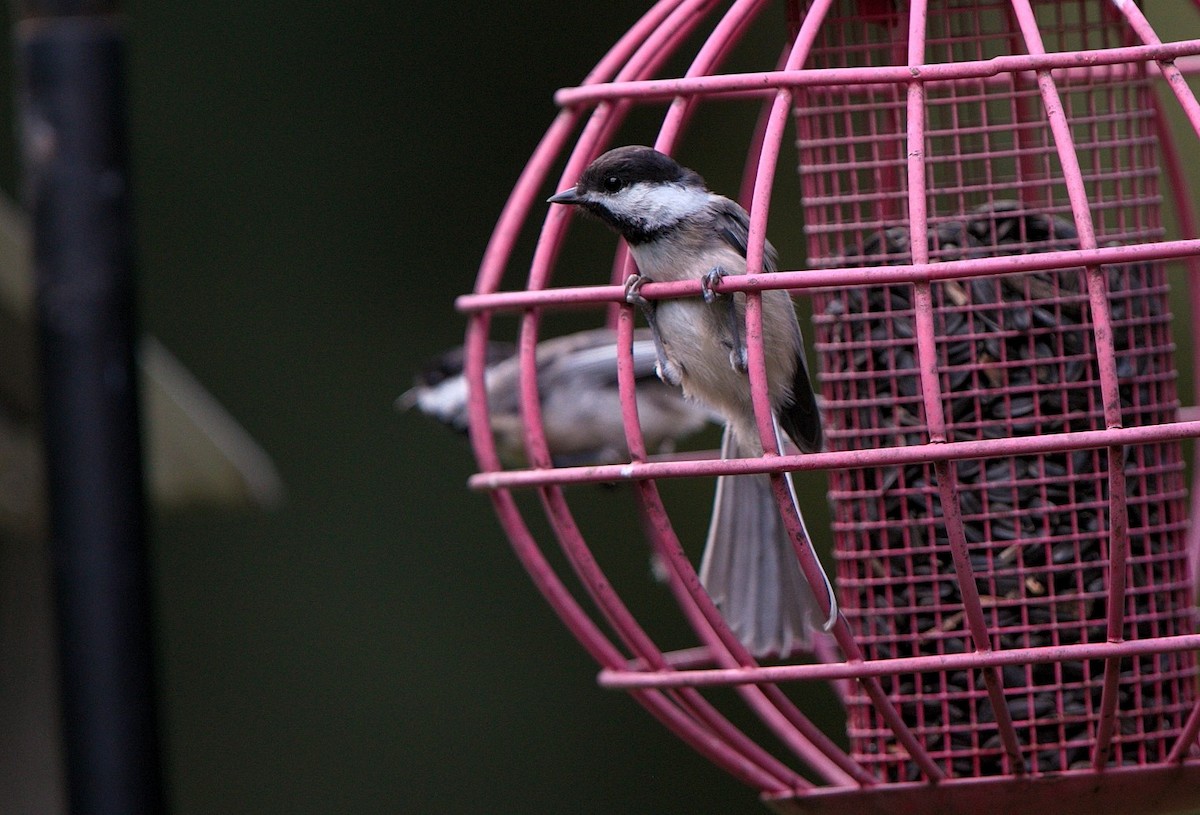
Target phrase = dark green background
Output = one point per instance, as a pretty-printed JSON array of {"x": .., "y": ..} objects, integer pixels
[
  {"x": 316, "y": 182},
  {"x": 314, "y": 185}
]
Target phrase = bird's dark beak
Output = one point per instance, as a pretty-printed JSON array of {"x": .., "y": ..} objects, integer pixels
[{"x": 567, "y": 196}]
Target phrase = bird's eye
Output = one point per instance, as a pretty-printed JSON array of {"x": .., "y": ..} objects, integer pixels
[{"x": 613, "y": 183}]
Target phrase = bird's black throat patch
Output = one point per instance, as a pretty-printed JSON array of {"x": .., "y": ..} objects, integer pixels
[{"x": 634, "y": 230}]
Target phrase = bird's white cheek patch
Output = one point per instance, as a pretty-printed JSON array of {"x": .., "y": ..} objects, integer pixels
[
  {"x": 447, "y": 399},
  {"x": 664, "y": 204}
]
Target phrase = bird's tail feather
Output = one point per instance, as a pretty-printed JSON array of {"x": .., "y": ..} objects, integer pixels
[{"x": 750, "y": 569}]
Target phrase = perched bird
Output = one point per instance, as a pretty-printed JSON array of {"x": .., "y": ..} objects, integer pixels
[
  {"x": 677, "y": 229},
  {"x": 580, "y": 402}
]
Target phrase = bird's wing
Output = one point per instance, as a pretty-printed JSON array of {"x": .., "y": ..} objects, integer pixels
[
  {"x": 596, "y": 359},
  {"x": 801, "y": 419},
  {"x": 733, "y": 225}
]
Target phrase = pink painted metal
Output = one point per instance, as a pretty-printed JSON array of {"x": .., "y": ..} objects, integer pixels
[{"x": 1004, "y": 457}]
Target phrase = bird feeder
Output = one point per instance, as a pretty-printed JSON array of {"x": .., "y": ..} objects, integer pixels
[{"x": 990, "y": 200}]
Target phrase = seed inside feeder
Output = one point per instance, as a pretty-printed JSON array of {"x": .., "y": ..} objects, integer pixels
[{"x": 1016, "y": 357}]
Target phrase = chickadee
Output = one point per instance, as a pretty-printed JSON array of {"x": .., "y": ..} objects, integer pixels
[
  {"x": 677, "y": 230},
  {"x": 580, "y": 402}
]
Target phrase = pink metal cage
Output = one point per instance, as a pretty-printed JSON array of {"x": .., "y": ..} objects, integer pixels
[{"x": 1005, "y": 442}]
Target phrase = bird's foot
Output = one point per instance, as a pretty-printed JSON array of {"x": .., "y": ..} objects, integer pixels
[
  {"x": 633, "y": 288},
  {"x": 739, "y": 358},
  {"x": 709, "y": 283},
  {"x": 667, "y": 371}
]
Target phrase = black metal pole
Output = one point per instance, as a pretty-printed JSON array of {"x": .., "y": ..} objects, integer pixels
[{"x": 73, "y": 136}]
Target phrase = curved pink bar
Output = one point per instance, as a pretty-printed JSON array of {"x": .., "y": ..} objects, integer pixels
[
  {"x": 841, "y": 459},
  {"x": 652, "y": 89},
  {"x": 834, "y": 278}
]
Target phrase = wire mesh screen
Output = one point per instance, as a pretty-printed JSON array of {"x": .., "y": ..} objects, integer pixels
[{"x": 1017, "y": 357}]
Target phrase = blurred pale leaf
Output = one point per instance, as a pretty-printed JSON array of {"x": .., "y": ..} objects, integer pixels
[{"x": 196, "y": 453}]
